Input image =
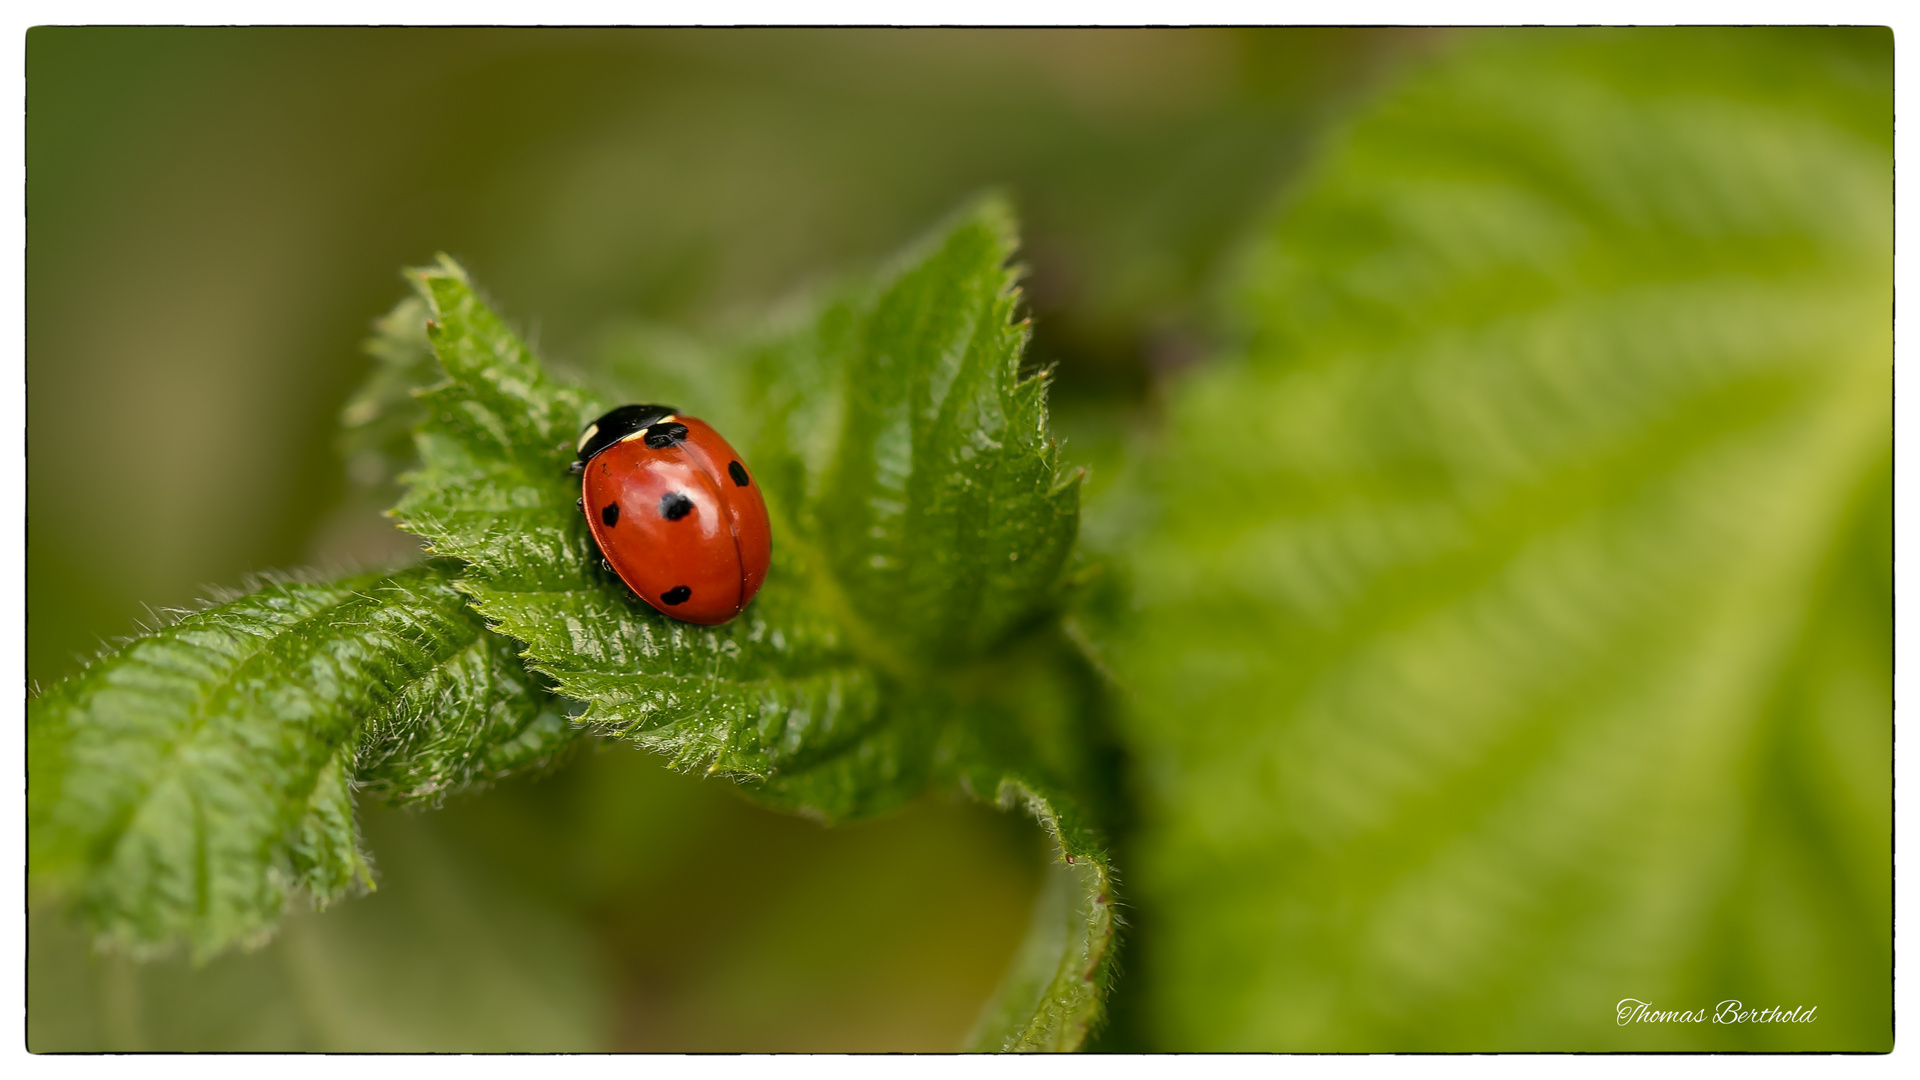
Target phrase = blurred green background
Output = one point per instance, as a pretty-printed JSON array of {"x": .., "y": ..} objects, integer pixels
[
  {"x": 1533, "y": 650},
  {"x": 1503, "y": 484},
  {"x": 216, "y": 215}
]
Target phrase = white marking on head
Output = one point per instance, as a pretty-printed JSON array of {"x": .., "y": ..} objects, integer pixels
[
  {"x": 642, "y": 433},
  {"x": 587, "y": 437}
]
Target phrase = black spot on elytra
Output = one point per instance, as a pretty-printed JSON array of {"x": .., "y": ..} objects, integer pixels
[
  {"x": 738, "y": 472},
  {"x": 661, "y": 436},
  {"x": 611, "y": 515},
  {"x": 679, "y": 594},
  {"x": 675, "y": 505}
]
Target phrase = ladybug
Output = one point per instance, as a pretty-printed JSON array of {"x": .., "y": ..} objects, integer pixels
[{"x": 674, "y": 511}]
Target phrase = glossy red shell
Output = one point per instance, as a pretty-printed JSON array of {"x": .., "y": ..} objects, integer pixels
[{"x": 680, "y": 520}]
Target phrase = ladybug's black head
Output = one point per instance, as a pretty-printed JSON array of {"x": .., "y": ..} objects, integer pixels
[{"x": 617, "y": 425}]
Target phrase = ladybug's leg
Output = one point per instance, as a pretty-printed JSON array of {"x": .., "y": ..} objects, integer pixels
[{"x": 598, "y": 553}]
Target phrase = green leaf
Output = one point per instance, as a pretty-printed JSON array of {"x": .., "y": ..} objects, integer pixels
[
  {"x": 1033, "y": 724},
  {"x": 189, "y": 784},
  {"x": 376, "y": 424},
  {"x": 774, "y": 692},
  {"x": 1512, "y": 636},
  {"x": 445, "y": 956},
  {"x": 942, "y": 507},
  {"x": 922, "y": 520},
  {"x": 931, "y": 442},
  {"x": 1052, "y": 996}
]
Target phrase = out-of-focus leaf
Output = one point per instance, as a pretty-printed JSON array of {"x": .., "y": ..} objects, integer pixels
[
  {"x": 1512, "y": 636},
  {"x": 188, "y": 785},
  {"x": 376, "y": 436},
  {"x": 447, "y": 955},
  {"x": 638, "y": 361}
]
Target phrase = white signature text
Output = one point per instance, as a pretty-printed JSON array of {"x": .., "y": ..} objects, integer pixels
[{"x": 1730, "y": 1011}]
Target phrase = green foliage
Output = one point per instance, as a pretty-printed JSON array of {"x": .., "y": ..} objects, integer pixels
[
  {"x": 445, "y": 954},
  {"x": 1052, "y": 996},
  {"x": 921, "y": 516},
  {"x": 922, "y": 521},
  {"x": 1504, "y": 620},
  {"x": 377, "y": 422},
  {"x": 775, "y": 693},
  {"x": 936, "y": 493},
  {"x": 1513, "y": 617},
  {"x": 189, "y": 786},
  {"x": 186, "y": 786}
]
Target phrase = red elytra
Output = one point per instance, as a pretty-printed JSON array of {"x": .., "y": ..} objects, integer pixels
[{"x": 675, "y": 512}]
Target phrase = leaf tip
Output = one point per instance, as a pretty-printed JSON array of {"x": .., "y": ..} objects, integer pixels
[
  {"x": 992, "y": 208},
  {"x": 444, "y": 269}
]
